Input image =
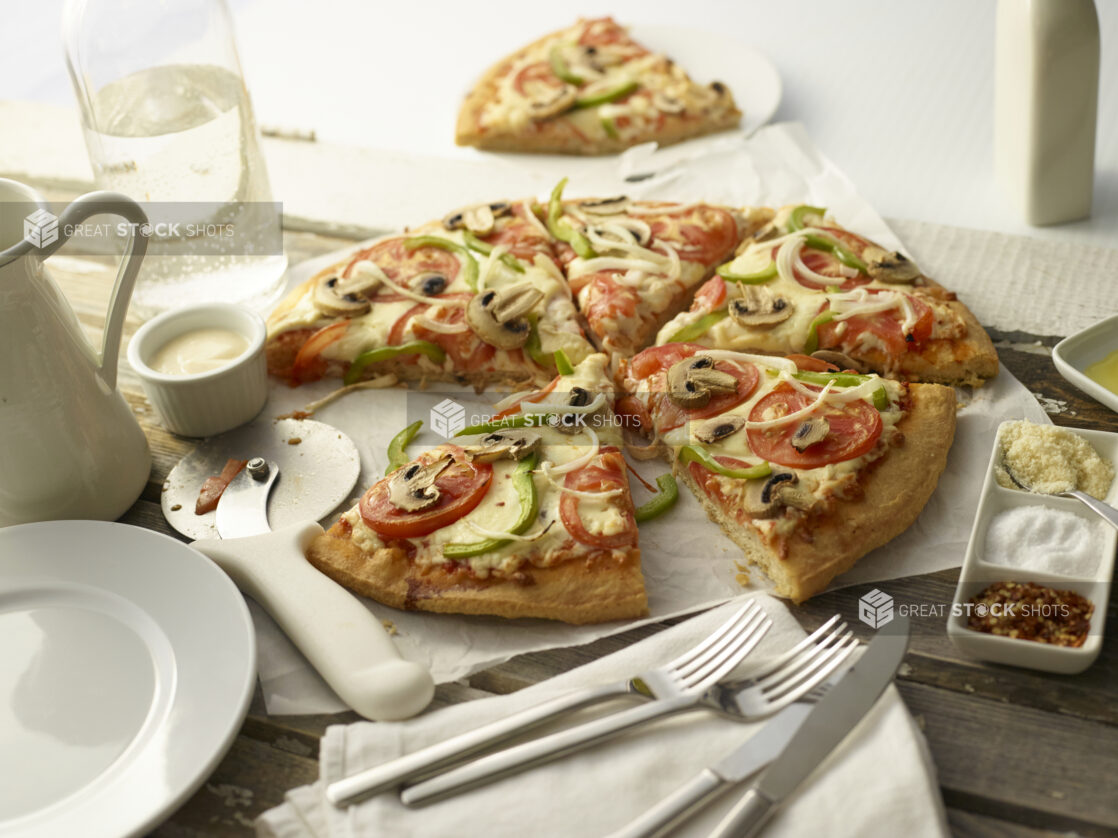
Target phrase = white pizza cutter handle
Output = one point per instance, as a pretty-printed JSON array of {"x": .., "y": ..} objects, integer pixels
[{"x": 340, "y": 637}]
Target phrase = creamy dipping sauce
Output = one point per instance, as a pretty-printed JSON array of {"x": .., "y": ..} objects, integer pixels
[{"x": 199, "y": 351}]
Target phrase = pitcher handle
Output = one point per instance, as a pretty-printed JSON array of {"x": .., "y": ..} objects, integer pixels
[{"x": 110, "y": 203}]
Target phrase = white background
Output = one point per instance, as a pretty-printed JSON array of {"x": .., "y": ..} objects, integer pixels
[{"x": 898, "y": 93}]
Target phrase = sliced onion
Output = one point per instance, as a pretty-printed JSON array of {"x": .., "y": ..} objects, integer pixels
[
  {"x": 533, "y": 219},
  {"x": 544, "y": 407},
  {"x": 764, "y": 360},
  {"x": 668, "y": 210},
  {"x": 796, "y": 414},
  {"x": 493, "y": 259},
  {"x": 509, "y": 401},
  {"x": 441, "y": 328},
  {"x": 617, "y": 263},
  {"x": 506, "y": 536},
  {"x": 584, "y": 460},
  {"x": 546, "y": 471}
]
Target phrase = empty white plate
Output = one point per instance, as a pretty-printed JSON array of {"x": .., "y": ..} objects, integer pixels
[{"x": 127, "y": 668}]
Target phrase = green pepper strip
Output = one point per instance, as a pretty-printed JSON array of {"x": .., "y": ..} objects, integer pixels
[
  {"x": 469, "y": 271},
  {"x": 695, "y": 454},
  {"x": 484, "y": 248},
  {"x": 841, "y": 253},
  {"x": 796, "y": 219},
  {"x": 699, "y": 328},
  {"x": 560, "y": 68},
  {"x": 563, "y": 231},
  {"x": 532, "y": 347},
  {"x": 387, "y": 353},
  {"x": 663, "y": 500},
  {"x": 525, "y": 486},
  {"x": 607, "y": 96},
  {"x": 397, "y": 448},
  {"x": 518, "y": 421},
  {"x": 563, "y": 363},
  {"x": 763, "y": 275},
  {"x": 842, "y": 379},
  {"x": 610, "y": 127},
  {"x": 812, "y": 342}
]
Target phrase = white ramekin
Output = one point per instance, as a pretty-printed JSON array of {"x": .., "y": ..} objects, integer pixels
[{"x": 209, "y": 402}]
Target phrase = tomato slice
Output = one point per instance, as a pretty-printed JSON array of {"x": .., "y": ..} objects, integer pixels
[
  {"x": 885, "y": 325},
  {"x": 709, "y": 481},
  {"x": 461, "y": 487},
  {"x": 650, "y": 369},
  {"x": 827, "y": 264},
  {"x": 309, "y": 364},
  {"x": 710, "y": 296},
  {"x": 519, "y": 236},
  {"x": 702, "y": 234},
  {"x": 607, "y": 472},
  {"x": 605, "y": 300},
  {"x": 855, "y": 428}
]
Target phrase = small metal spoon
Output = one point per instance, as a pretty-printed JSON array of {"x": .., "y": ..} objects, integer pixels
[{"x": 1105, "y": 510}]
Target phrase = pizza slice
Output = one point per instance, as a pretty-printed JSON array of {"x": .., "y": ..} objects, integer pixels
[
  {"x": 476, "y": 298},
  {"x": 590, "y": 89},
  {"x": 528, "y": 515},
  {"x": 800, "y": 283},
  {"x": 633, "y": 265},
  {"x": 806, "y": 467}
]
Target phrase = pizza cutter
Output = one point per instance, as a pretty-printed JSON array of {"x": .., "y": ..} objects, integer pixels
[{"x": 298, "y": 472}]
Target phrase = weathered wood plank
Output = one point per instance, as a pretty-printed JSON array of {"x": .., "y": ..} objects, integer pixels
[{"x": 969, "y": 825}]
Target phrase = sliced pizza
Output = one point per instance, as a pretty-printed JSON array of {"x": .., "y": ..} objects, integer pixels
[
  {"x": 526, "y": 516},
  {"x": 633, "y": 265},
  {"x": 477, "y": 297},
  {"x": 590, "y": 89},
  {"x": 805, "y": 466},
  {"x": 800, "y": 283}
]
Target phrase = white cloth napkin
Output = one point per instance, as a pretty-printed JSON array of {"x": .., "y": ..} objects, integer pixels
[{"x": 878, "y": 782}]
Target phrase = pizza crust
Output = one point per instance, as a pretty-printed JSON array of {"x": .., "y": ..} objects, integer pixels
[
  {"x": 894, "y": 493},
  {"x": 594, "y": 589}
]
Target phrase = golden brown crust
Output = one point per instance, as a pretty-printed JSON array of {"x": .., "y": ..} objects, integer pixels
[
  {"x": 595, "y": 589},
  {"x": 895, "y": 490},
  {"x": 552, "y": 136}
]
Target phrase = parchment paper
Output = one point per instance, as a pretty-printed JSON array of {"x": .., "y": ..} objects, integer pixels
[{"x": 688, "y": 563}]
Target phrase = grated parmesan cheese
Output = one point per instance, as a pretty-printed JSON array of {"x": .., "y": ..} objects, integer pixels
[{"x": 1051, "y": 460}]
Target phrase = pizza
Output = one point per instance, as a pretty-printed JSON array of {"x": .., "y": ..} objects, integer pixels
[
  {"x": 489, "y": 294},
  {"x": 806, "y": 467},
  {"x": 801, "y": 283},
  {"x": 590, "y": 89},
  {"x": 528, "y": 515},
  {"x": 478, "y": 298}
]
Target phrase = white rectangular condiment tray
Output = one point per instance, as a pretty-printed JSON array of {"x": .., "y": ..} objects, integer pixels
[
  {"x": 978, "y": 572},
  {"x": 1075, "y": 353}
]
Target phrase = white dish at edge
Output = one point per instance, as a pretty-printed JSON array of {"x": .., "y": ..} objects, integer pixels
[
  {"x": 977, "y": 573},
  {"x": 128, "y": 666},
  {"x": 1077, "y": 352}
]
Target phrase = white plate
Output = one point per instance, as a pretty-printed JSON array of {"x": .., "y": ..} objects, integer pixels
[
  {"x": 1075, "y": 353},
  {"x": 977, "y": 574},
  {"x": 127, "y": 668}
]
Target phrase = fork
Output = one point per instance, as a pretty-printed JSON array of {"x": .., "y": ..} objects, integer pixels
[
  {"x": 687, "y": 672},
  {"x": 790, "y": 677}
]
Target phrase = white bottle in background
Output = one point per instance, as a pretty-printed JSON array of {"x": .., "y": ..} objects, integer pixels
[{"x": 1045, "y": 103}]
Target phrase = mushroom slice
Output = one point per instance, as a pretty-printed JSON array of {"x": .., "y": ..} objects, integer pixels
[
  {"x": 513, "y": 444},
  {"x": 497, "y": 316},
  {"x": 718, "y": 428},
  {"x": 430, "y": 284},
  {"x": 769, "y": 231},
  {"x": 889, "y": 266},
  {"x": 479, "y": 214},
  {"x": 810, "y": 432},
  {"x": 413, "y": 488},
  {"x": 838, "y": 359},
  {"x": 605, "y": 206},
  {"x": 553, "y": 103},
  {"x": 768, "y": 498},
  {"x": 335, "y": 295},
  {"x": 759, "y": 306},
  {"x": 692, "y": 381},
  {"x": 666, "y": 104}
]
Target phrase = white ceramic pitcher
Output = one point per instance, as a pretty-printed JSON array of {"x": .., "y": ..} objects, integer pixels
[{"x": 69, "y": 444}]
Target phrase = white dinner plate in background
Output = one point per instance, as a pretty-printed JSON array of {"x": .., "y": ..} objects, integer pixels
[{"x": 128, "y": 664}]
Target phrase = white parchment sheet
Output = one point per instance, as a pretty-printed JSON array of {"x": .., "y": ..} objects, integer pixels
[{"x": 688, "y": 563}]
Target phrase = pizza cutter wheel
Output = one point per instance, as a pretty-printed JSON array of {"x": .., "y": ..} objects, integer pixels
[{"x": 300, "y": 471}]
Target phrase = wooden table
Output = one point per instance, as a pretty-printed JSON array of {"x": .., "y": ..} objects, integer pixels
[{"x": 1019, "y": 753}]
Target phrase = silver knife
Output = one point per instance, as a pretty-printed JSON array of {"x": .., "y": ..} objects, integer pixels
[
  {"x": 758, "y": 751},
  {"x": 828, "y": 723}
]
